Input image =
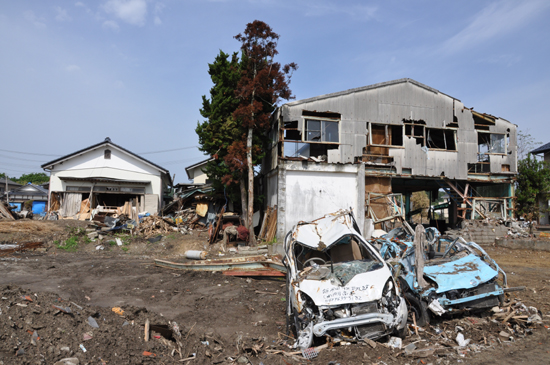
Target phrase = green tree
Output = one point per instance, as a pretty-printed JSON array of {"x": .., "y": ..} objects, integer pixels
[
  {"x": 219, "y": 130},
  {"x": 36, "y": 178},
  {"x": 533, "y": 181},
  {"x": 262, "y": 85}
]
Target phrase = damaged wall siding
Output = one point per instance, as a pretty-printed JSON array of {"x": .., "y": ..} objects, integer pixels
[
  {"x": 389, "y": 104},
  {"x": 308, "y": 190}
]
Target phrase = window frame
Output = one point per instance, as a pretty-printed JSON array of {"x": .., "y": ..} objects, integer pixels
[
  {"x": 402, "y": 145},
  {"x": 445, "y": 130},
  {"x": 504, "y": 139},
  {"x": 321, "y": 120}
]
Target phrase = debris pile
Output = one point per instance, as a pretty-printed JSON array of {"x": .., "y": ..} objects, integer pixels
[
  {"x": 57, "y": 331},
  {"x": 18, "y": 247},
  {"x": 487, "y": 230},
  {"x": 5, "y": 211}
]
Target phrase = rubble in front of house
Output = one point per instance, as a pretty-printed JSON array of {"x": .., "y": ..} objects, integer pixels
[{"x": 485, "y": 231}]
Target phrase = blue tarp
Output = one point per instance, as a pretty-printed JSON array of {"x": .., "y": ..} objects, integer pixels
[{"x": 38, "y": 207}]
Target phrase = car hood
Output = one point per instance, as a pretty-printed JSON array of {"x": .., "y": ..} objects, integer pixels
[
  {"x": 324, "y": 232},
  {"x": 364, "y": 287},
  {"x": 464, "y": 273}
]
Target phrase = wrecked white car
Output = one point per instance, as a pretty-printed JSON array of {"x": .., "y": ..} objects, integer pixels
[{"x": 338, "y": 285}]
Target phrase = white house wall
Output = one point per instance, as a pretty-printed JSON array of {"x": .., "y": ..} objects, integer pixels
[
  {"x": 308, "y": 191},
  {"x": 92, "y": 164}
]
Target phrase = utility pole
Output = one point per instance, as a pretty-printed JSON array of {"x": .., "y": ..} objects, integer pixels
[{"x": 6, "y": 191}]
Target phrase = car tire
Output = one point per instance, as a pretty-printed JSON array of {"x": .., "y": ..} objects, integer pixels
[
  {"x": 419, "y": 308},
  {"x": 401, "y": 333}
]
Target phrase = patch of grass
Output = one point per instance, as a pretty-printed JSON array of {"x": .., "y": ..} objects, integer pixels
[
  {"x": 76, "y": 236},
  {"x": 70, "y": 244},
  {"x": 125, "y": 249}
]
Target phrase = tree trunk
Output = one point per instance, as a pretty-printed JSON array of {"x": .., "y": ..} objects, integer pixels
[
  {"x": 243, "y": 201},
  {"x": 250, "y": 187}
]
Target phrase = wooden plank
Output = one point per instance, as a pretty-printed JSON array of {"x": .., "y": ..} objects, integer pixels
[
  {"x": 264, "y": 224},
  {"x": 260, "y": 272},
  {"x": 5, "y": 212},
  {"x": 217, "y": 226},
  {"x": 272, "y": 225}
]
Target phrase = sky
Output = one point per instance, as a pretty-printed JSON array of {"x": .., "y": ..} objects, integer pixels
[{"x": 75, "y": 72}]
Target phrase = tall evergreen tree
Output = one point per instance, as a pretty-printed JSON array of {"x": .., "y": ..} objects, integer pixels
[
  {"x": 219, "y": 130},
  {"x": 532, "y": 183},
  {"x": 263, "y": 83}
]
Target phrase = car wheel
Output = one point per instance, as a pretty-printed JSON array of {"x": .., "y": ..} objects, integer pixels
[
  {"x": 401, "y": 333},
  {"x": 419, "y": 308}
]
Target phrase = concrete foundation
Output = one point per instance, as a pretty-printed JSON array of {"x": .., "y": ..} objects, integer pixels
[{"x": 524, "y": 244}]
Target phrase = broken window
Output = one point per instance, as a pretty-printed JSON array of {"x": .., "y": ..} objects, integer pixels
[
  {"x": 291, "y": 131},
  {"x": 415, "y": 129},
  {"x": 321, "y": 131},
  {"x": 386, "y": 134},
  {"x": 441, "y": 139},
  {"x": 307, "y": 150},
  {"x": 491, "y": 143},
  {"x": 479, "y": 168}
]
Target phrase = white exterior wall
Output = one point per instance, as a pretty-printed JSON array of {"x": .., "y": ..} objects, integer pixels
[
  {"x": 309, "y": 191},
  {"x": 199, "y": 177},
  {"x": 92, "y": 164}
]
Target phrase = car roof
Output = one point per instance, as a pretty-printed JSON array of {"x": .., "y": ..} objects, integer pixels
[{"x": 325, "y": 231}]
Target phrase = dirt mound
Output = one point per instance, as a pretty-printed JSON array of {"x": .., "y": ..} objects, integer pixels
[
  {"x": 45, "y": 328},
  {"x": 29, "y": 226}
]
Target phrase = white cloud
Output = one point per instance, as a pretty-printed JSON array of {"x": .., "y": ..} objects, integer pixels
[
  {"x": 362, "y": 12},
  {"x": 79, "y": 4},
  {"x": 72, "y": 68},
  {"x": 130, "y": 11},
  {"x": 504, "y": 59},
  {"x": 62, "y": 15},
  {"x": 109, "y": 24},
  {"x": 158, "y": 11},
  {"x": 38, "y": 22},
  {"x": 493, "y": 21}
]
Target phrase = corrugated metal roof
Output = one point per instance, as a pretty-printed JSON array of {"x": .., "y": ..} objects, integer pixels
[
  {"x": 363, "y": 88},
  {"x": 541, "y": 149}
]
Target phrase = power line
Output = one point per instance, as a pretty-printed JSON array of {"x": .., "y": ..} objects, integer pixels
[
  {"x": 29, "y": 153},
  {"x": 8, "y": 169},
  {"x": 177, "y": 161},
  {"x": 174, "y": 149},
  {"x": 19, "y": 165},
  {"x": 22, "y": 159},
  {"x": 140, "y": 153}
]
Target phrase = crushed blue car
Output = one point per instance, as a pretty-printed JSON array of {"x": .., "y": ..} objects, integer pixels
[{"x": 455, "y": 275}]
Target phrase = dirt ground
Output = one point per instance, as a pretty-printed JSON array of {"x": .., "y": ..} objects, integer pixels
[{"x": 49, "y": 297}]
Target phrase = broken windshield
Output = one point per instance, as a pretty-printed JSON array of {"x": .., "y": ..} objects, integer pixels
[{"x": 346, "y": 258}]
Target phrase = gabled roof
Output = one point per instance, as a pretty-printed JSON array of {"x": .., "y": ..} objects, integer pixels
[
  {"x": 3, "y": 182},
  {"x": 541, "y": 149},
  {"x": 369, "y": 87},
  {"x": 107, "y": 143},
  {"x": 30, "y": 187},
  {"x": 198, "y": 164}
]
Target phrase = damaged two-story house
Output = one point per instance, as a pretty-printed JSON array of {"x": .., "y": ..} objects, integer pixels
[{"x": 371, "y": 147}]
